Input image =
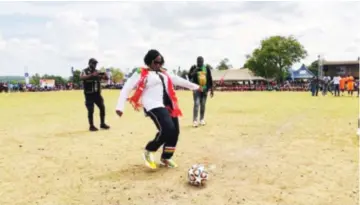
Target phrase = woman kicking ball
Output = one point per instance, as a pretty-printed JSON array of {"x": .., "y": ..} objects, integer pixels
[{"x": 155, "y": 90}]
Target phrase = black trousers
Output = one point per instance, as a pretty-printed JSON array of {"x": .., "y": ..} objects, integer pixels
[
  {"x": 168, "y": 132},
  {"x": 97, "y": 99},
  {"x": 337, "y": 89}
]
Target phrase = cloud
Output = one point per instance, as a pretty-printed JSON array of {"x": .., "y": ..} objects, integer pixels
[
  {"x": 2, "y": 43},
  {"x": 51, "y": 37},
  {"x": 74, "y": 36}
]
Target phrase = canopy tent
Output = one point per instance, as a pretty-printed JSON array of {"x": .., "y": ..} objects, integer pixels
[
  {"x": 302, "y": 73},
  {"x": 242, "y": 74}
]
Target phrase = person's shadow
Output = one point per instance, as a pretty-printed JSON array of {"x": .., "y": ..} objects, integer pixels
[{"x": 134, "y": 172}]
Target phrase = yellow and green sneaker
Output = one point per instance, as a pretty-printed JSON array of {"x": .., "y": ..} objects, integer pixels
[
  {"x": 149, "y": 159},
  {"x": 168, "y": 163}
]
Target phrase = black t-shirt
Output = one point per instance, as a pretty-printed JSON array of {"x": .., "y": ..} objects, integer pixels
[{"x": 91, "y": 85}]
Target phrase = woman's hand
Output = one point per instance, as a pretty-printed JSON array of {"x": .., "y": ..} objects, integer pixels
[{"x": 119, "y": 113}]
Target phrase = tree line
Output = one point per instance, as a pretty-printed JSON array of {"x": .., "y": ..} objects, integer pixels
[
  {"x": 116, "y": 76},
  {"x": 272, "y": 59}
]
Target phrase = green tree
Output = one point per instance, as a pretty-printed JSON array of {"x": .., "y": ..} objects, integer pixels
[
  {"x": 75, "y": 79},
  {"x": 116, "y": 75},
  {"x": 274, "y": 56},
  {"x": 35, "y": 79},
  {"x": 314, "y": 67},
  {"x": 224, "y": 64}
]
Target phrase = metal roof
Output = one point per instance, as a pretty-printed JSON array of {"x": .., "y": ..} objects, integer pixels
[
  {"x": 234, "y": 75},
  {"x": 340, "y": 62}
]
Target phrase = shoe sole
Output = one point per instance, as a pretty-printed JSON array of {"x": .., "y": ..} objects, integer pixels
[{"x": 146, "y": 162}]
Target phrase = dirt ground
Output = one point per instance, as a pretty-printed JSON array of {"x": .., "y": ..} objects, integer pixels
[{"x": 260, "y": 148}]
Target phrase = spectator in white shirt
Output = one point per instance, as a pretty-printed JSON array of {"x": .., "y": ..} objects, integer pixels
[
  {"x": 336, "y": 81},
  {"x": 326, "y": 82},
  {"x": 156, "y": 92}
]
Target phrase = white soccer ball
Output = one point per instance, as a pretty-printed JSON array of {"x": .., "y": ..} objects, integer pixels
[{"x": 197, "y": 175}]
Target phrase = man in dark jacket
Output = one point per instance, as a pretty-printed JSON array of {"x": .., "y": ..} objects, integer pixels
[
  {"x": 92, "y": 90},
  {"x": 314, "y": 86},
  {"x": 201, "y": 75}
]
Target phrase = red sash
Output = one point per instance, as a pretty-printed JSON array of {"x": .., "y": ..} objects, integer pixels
[{"x": 135, "y": 99}]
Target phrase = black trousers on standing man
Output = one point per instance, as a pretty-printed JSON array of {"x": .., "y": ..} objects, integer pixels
[{"x": 91, "y": 100}]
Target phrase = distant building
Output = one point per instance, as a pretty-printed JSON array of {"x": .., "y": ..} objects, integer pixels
[
  {"x": 235, "y": 76},
  {"x": 332, "y": 68}
]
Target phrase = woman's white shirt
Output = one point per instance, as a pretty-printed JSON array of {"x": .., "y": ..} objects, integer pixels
[{"x": 152, "y": 96}]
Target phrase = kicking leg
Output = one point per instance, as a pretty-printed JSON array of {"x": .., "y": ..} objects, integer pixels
[
  {"x": 170, "y": 144},
  {"x": 162, "y": 121}
]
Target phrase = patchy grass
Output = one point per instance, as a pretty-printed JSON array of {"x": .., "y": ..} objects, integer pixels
[{"x": 260, "y": 148}]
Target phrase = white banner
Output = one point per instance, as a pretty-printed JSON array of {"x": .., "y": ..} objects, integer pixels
[
  {"x": 27, "y": 80},
  {"x": 49, "y": 83},
  {"x": 108, "y": 73}
]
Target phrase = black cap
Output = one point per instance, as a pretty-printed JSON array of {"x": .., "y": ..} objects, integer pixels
[{"x": 92, "y": 60}]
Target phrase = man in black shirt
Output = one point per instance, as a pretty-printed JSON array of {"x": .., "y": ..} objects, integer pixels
[
  {"x": 314, "y": 86},
  {"x": 201, "y": 75},
  {"x": 92, "y": 91}
]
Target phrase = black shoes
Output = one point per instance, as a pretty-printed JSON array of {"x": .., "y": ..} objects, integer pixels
[
  {"x": 93, "y": 128},
  {"x": 102, "y": 126}
]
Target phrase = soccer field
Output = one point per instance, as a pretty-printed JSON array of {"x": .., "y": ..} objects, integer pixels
[{"x": 259, "y": 148}]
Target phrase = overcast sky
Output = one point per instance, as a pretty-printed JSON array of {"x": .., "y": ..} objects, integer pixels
[{"x": 50, "y": 37}]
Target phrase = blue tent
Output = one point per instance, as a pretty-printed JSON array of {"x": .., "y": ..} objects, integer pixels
[{"x": 302, "y": 73}]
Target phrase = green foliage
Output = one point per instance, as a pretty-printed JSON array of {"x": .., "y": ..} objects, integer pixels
[
  {"x": 274, "y": 56},
  {"x": 116, "y": 74},
  {"x": 75, "y": 79},
  {"x": 35, "y": 79},
  {"x": 224, "y": 64},
  {"x": 12, "y": 78},
  {"x": 314, "y": 67}
]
